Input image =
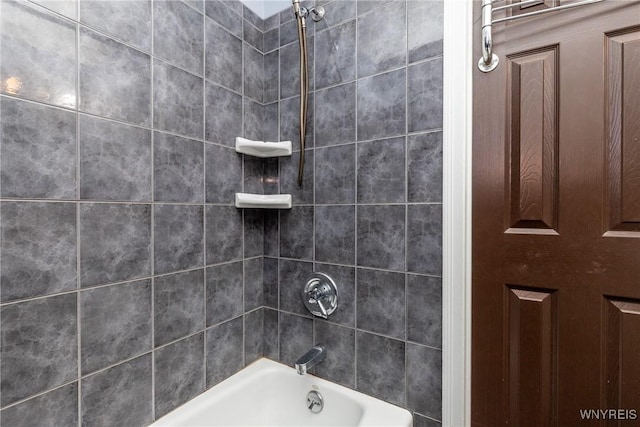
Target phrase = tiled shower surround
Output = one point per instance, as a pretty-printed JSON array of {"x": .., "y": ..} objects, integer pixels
[{"x": 130, "y": 283}]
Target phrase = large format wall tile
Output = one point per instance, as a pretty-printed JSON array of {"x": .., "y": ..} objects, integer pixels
[
  {"x": 381, "y": 237},
  {"x": 296, "y": 234},
  {"x": 424, "y": 244},
  {"x": 290, "y": 122},
  {"x": 425, "y": 26},
  {"x": 55, "y": 408},
  {"x": 253, "y": 121},
  {"x": 128, "y": 20},
  {"x": 115, "y": 242},
  {"x": 296, "y": 337},
  {"x": 178, "y": 167},
  {"x": 224, "y": 292},
  {"x": 223, "y": 175},
  {"x": 253, "y": 336},
  {"x": 38, "y": 249},
  {"x": 381, "y": 302},
  {"x": 39, "y": 346},
  {"x": 115, "y": 161},
  {"x": 335, "y": 174},
  {"x": 336, "y": 61},
  {"x": 424, "y": 167},
  {"x": 288, "y": 30},
  {"x": 335, "y": 115},
  {"x": 340, "y": 364},
  {"x": 424, "y": 88},
  {"x": 115, "y": 324},
  {"x": 38, "y": 148},
  {"x": 381, "y": 105},
  {"x": 253, "y": 284},
  {"x": 382, "y": 39},
  {"x": 178, "y": 306},
  {"x": 424, "y": 380},
  {"x": 271, "y": 76},
  {"x": 68, "y": 8},
  {"x": 179, "y": 373},
  {"x": 196, "y": 4},
  {"x": 335, "y": 234},
  {"x": 177, "y": 100},
  {"x": 119, "y": 396},
  {"x": 272, "y": 39},
  {"x": 253, "y": 174},
  {"x": 253, "y": 72},
  {"x": 300, "y": 195},
  {"x": 382, "y": 171},
  {"x": 253, "y": 232},
  {"x": 223, "y": 57},
  {"x": 178, "y": 237},
  {"x": 224, "y": 234},
  {"x": 424, "y": 310},
  {"x": 224, "y": 115},
  {"x": 115, "y": 80},
  {"x": 270, "y": 282},
  {"x": 376, "y": 355},
  {"x": 253, "y": 36},
  {"x": 293, "y": 274},
  {"x": 38, "y": 58},
  {"x": 224, "y": 351},
  {"x": 251, "y": 17},
  {"x": 235, "y": 5},
  {"x": 178, "y": 35},
  {"x": 271, "y": 334},
  {"x": 224, "y": 16}
]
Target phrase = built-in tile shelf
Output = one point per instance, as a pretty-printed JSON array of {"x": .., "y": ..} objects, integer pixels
[
  {"x": 263, "y": 201},
  {"x": 263, "y": 149}
]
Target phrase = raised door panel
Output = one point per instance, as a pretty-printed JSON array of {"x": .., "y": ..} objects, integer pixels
[
  {"x": 532, "y": 144},
  {"x": 532, "y": 354},
  {"x": 623, "y": 132},
  {"x": 621, "y": 349}
]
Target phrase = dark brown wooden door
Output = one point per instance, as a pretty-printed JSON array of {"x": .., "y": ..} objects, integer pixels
[{"x": 556, "y": 220}]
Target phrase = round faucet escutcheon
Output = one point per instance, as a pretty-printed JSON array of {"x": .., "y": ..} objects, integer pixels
[{"x": 320, "y": 295}]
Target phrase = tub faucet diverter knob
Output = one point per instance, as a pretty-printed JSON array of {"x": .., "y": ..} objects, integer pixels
[{"x": 320, "y": 295}]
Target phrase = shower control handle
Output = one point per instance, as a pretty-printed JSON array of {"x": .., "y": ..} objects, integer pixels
[{"x": 320, "y": 295}]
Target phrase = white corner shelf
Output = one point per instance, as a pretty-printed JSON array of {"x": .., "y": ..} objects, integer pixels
[
  {"x": 263, "y": 201},
  {"x": 263, "y": 149}
]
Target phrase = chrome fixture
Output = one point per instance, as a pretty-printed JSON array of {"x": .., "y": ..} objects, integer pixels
[
  {"x": 315, "y": 403},
  {"x": 301, "y": 13},
  {"x": 320, "y": 295},
  {"x": 310, "y": 359},
  {"x": 490, "y": 60}
]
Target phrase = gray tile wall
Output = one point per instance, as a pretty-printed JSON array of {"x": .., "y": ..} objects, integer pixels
[
  {"x": 121, "y": 250},
  {"x": 129, "y": 283},
  {"x": 369, "y": 212}
]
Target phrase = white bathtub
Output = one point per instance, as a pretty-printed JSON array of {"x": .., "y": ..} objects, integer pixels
[{"x": 267, "y": 393}]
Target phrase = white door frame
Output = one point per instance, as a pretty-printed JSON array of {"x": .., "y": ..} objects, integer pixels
[{"x": 456, "y": 228}]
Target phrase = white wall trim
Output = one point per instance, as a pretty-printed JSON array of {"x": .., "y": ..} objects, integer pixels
[{"x": 456, "y": 267}]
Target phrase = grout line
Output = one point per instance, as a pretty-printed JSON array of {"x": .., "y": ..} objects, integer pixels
[
  {"x": 93, "y": 287},
  {"x": 356, "y": 210},
  {"x": 406, "y": 208},
  {"x": 204, "y": 197},
  {"x": 153, "y": 214},
  {"x": 77, "y": 210}
]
